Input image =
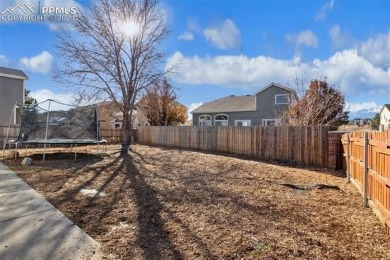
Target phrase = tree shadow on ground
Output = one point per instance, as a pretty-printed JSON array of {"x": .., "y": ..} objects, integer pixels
[
  {"x": 292, "y": 165},
  {"x": 122, "y": 177},
  {"x": 153, "y": 238}
]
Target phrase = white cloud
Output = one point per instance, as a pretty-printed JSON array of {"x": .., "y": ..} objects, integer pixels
[
  {"x": 186, "y": 36},
  {"x": 3, "y": 60},
  {"x": 224, "y": 35},
  {"x": 366, "y": 106},
  {"x": 42, "y": 63},
  {"x": 192, "y": 107},
  {"x": 377, "y": 50},
  {"x": 45, "y": 94},
  {"x": 353, "y": 73},
  {"x": 321, "y": 15},
  {"x": 304, "y": 38}
]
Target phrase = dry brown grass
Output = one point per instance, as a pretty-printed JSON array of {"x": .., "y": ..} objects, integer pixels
[{"x": 176, "y": 204}]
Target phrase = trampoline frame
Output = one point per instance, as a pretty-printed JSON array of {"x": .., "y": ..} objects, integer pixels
[{"x": 47, "y": 142}]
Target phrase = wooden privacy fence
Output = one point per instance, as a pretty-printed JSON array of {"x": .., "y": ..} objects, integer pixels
[
  {"x": 368, "y": 167},
  {"x": 115, "y": 136},
  {"x": 300, "y": 145}
]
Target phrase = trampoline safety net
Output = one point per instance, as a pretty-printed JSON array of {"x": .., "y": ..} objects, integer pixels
[{"x": 54, "y": 122}]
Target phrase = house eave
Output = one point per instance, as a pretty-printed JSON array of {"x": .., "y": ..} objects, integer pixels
[
  {"x": 213, "y": 112},
  {"x": 383, "y": 107},
  {"x": 13, "y": 76},
  {"x": 276, "y": 85}
]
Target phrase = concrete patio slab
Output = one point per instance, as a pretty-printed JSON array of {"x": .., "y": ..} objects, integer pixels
[
  {"x": 27, "y": 201},
  {"x": 32, "y": 228},
  {"x": 13, "y": 185}
]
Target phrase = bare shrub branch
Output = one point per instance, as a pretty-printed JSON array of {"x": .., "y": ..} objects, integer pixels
[{"x": 320, "y": 105}]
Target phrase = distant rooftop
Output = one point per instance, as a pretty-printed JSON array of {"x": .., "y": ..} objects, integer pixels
[
  {"x": 229, "y": 104},
  {"x": 12, "y": 73}
]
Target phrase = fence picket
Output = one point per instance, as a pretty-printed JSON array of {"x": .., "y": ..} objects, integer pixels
[
  {"x": 368, "y": 167},
  {"x": 289, "y": 144}
]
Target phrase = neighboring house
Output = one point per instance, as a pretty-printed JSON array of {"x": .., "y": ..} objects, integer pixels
[
  {"x": 111, "y": 117},
  {"x": 12, "y": 87},
  {"x": 385, "y": 116},
  {"x": 264, "y": 108}
]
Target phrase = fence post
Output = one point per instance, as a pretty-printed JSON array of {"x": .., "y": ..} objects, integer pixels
[
  {"x": 365, "y": 169},
  {"x": 347, "y": 159}
]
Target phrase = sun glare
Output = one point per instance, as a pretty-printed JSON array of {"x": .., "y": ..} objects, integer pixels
[{"x": 129, "y": 28}]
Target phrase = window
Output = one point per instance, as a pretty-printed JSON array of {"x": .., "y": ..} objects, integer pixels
[
  {"x": 242, "y": 122},
  {"x": 281, "y": 99},
  {"x": 220, "y": 120},
  {"x": 118, "y": 124},
  {"x": 205, "y": 120},
  {"x": 270, "y": 122},
  {"x": 16, "y": 114}
]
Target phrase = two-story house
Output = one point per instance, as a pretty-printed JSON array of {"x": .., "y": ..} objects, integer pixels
[
  {"x": 264, "y": 108},
  {"x": 12, "y": 87},
  {"x": 385, "y": 117}
]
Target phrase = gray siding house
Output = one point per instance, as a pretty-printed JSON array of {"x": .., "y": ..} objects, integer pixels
[
  {"x": 264, "y": 108},
  {"x": 12, "y": 83}
]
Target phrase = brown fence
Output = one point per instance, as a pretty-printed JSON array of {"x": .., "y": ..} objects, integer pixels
[
  {"x": 115, "y": 136},
  {"x": 368, "y": 167},
  {"x": 300, "y": 145}
]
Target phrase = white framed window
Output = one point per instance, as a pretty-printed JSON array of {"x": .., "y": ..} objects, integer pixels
[
  {"x": 205, "y": 120},
  {"x": 220, "y": 120},
  {"x": 270, "y": 122},
  {"x": 118, "y": 124},
  {"x": 281, "y": 99},
  {"x": 242, "y": 122}
]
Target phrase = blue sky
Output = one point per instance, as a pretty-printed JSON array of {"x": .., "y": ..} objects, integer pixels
[{"x": 238, "y": 47}]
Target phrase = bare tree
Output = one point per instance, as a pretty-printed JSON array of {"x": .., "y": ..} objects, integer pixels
[
  {"x": 160, "y": 105},
  {"x": 320, "y": 105},
  {"x": 114, "y": 53}
]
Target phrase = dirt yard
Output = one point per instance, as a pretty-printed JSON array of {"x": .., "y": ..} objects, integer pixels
[{"x": 175, "y": 204}]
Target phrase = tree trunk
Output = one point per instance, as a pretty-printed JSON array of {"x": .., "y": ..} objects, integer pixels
[{"x": 126, "y": 132}]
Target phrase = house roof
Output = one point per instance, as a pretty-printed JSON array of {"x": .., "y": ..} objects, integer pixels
[
  {"x": 235, "y": 103},
  {"x": 385, "y": 105},
  {"x": 276, "y": 85},
  {"x": 228, "y": 104},
  {"x": 12, "y": 73}
]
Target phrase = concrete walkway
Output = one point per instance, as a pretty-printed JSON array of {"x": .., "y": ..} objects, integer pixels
[{"x": 32, "y": 228}]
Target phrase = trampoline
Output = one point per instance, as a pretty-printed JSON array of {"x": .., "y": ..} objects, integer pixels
[{"x": 54, "y": 123}]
